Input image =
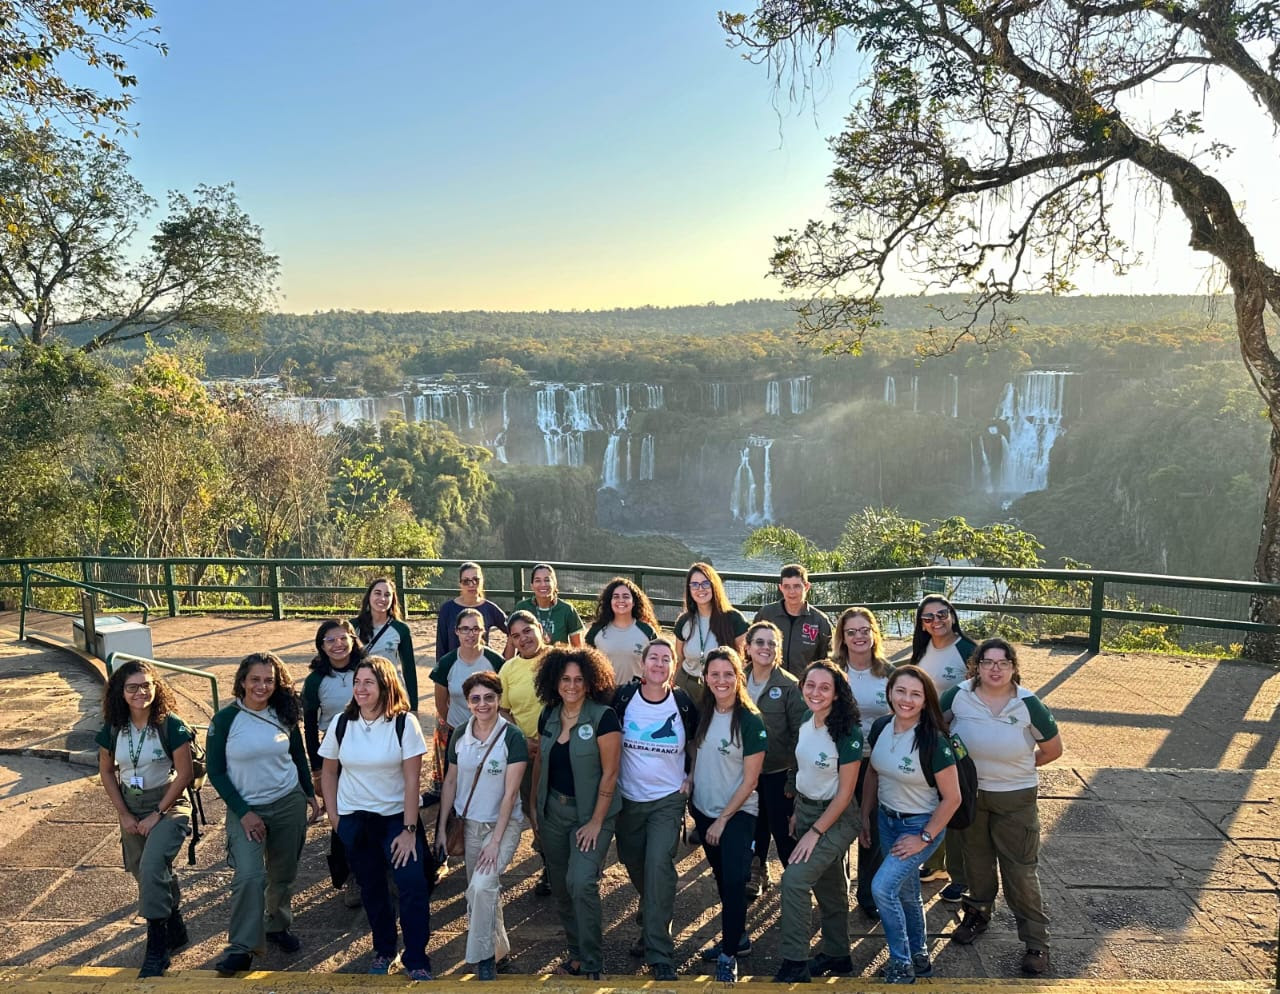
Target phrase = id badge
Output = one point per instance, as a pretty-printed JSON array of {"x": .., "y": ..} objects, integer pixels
[{"x": 135, "y": 785}]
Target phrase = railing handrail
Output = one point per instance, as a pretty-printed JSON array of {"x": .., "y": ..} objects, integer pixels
[
  {"x": 29, "y": 571},
  {"x": 125, "y": 657}
]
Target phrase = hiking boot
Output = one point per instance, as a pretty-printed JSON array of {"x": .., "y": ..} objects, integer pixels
[
  {"x": 1035, "y": 961},
  {"x": 953, "y": 893},
  {"x": 232, "y": 963},
  {"x": 351, "y": 893},
  {"x": 938, "y": 873},
  {"x": 285, "y": 941},
  {"x": 921, "y": 965},
  {"x": 823, "y": 965},
  {"x": 666, "y": 973},
  {"x": 759, "y": 882},
  {"x": 726, "y": 969},
  {"x": 175, "y": 930},
  {"x": 712, "y": 952},
  {"x": 487, "y": 969},
  {"x": 898, "y": 972},
  {"x": 971, "y": 926},
  {"x": 792, "y": 972},
  {"x": 156, "y": 960}
]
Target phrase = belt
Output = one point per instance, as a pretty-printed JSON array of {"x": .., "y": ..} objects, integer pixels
[
  {"x": 555, "y": 795},
  {"x": 902, "y": 815}
]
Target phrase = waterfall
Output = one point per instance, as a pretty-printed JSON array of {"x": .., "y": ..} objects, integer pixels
[
  {"x": 609, "y": 472},
  {"x": 646, "y": 458},
  {"x": 744, "y": 499},
  {"x": 714, "y": 396},
  {"x": 475, "y": 406},
  {"x": 581, "y": 408},
  {"x": 772, "y": 398},
  {"x": 766, "y": 512},
  {"x": 326, "y": 413},
  {"x": 628, "y": 458},
  {"x": 744, "y": 478},
  {"x": 654, "y": 397},
  {"x": 986, "y": 463},
  {"x": 955, "y": 395},
  {"x": 499, "y": 442},
  {"x": 1031, "y": 410},
  {"x": 622, "y": 407},
  {"x": 801, "y": 394},
  {"x": 890, "y": 391},
  {"x": 915, "y": 395}
]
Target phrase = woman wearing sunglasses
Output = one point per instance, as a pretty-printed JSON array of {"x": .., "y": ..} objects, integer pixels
[
  {"x": 1010, "y": 734},
  {"x": 940, "y": 649}
]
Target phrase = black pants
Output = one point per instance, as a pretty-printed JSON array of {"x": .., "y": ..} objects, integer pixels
[
  {"x": 869, "y": 860},
  {"x": 775, "y": 811},
  {"x": 731, "y": 866}
]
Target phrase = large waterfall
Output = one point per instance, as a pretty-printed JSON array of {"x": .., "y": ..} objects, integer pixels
[
  {"x": 565, "y": 414},
  {"x": 646, "y": 458},
  {"x": 799, "y": 395},
  {"x": 744, "y": 504},
  {"x": 326, "y": 413},
  {"x": 1029, "y": 422}
]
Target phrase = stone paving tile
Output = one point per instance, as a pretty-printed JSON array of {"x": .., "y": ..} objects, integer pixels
[
  {"x": 1188, "y": 960},
  {"x": 1139, "y": 914},
  {"x": 1263, "y": 855},
  {"x": 106, "y": 894},
  {"x": 1247, "y": 915},
  {"x": 1246, "y": 820},
  {"x": 1200, "y": 867},
  {"x": 56, "y": 846},
  {"x": 1063, "y": 782},
  {"x": 1166, "y": 820},
  {"x": 1077, "y": 817},
  {"x": 1084, "y": 863},
  {"x": 1001, "y": 956}
]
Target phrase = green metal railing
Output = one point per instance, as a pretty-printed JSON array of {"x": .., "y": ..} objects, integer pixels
[
  {"x": 28, "y": 572},
  {"x": 116, "y": 658},
  {"x": 1103, "y": 602}
]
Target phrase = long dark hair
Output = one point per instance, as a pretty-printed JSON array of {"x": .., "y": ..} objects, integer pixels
[
  {"x": 285, "y": 699},
  {"x": 642, "y": 611},
  {"x": 920, "y": 638},
  {"x": 115, "y": 707},
  {"x": 719, "y": 624},
  {"x": 741, "y": 700},
  {"x": 320, "y": 663},
  {"x": 364, "y": 620},
  {"x": 931, "y": 723},
  {"x": 844, "y": 716},
  {"x": 597, "y": 674}
]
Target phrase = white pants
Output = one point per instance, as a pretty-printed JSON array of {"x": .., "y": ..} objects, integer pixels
[{"x": 486, "y": 932}]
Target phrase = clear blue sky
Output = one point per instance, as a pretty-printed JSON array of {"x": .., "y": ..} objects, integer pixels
[{"x": 424, "y": 155}]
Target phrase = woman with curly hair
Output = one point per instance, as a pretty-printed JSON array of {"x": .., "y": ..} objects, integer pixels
[
  {"x": 729, "y": 746},
  {"x": 144, "y": 758},
  {"x": 860, "y": 652},
  {"x": 709, "y": 620},
  {"x": 825, "y": 824},
  {"x": 1010, "y": 734},
  {"x": 579, "y": 755},
  {"x": 381, "y": 630},
  {"x": 258, "y": 764},
  {"x": 624, "y": 624}
]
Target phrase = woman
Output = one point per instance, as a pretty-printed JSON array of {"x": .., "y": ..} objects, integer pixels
[
  {"x": 708, "y": 621},
  {"x": 729, "y": 747},
  {"x": 144, "y": 758},
  {"x": 658, "y": 723},
  {"x": 1010, "y": 734},
  {"x": 940, "y": 649},
  {"x": 381, "y": 630},
  {"x": 828, "y": 758},
  {"x": 258, "y": 765},
  {"x": 860, "y": 653},
  {"x": 580, "y": 742},
  {"x": 470, "y": 597},
  {"x": 913, "y": 813},
  {"x": 776, "y": 694},
  {"x": 377, "y": 746},
  {"x": 558, "y": 619},
  {"x": 452, "y": 671},
  {"x": 487, "y": 760},
  {"x": 624, "y": 624}
]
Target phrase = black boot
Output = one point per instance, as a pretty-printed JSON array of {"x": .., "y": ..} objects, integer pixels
[
  {"x": 157, "y": 959},
  {"x": 176, "y": 932}
]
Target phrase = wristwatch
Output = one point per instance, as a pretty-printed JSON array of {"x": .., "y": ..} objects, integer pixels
[
  {"x": 411, "y": 829},
  {"x": 928, "y": 839}
]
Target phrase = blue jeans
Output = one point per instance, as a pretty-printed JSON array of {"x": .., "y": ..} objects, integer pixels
[
  {"x": 896, "y": 887},
  {"x": 367, "y": 838}
]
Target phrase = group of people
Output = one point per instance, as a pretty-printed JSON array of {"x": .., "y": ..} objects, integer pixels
[{"x": 785, "y": 730}]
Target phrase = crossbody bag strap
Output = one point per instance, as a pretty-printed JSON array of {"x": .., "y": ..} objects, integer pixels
[{"x": 498, "y": 732}]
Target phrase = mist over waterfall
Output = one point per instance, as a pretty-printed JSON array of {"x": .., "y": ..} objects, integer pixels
[{"x": 1029, "y": 420}]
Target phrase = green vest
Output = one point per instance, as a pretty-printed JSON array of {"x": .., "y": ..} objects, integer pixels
[{"x": 584, "y": 759}]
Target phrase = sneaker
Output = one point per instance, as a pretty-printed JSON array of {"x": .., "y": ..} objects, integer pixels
[
  {"x": 759, "y": 882},
  {"x": 176, "y": 932},
  {"x": 351, "y": 893},
  {"x": 233, "y": 963},
  {"x": 666, "y": 973},
  {"x": 921, "y": 965},
  {"x": 422, "y": 973},
  {"x": 953, "y": 893},
  {"x": 712, "y": 952},
  {"x": 823, "y": 965},
  {"x": 285, "y": 941},
  {"x": 871, "y": 911},
  {"x": 726, "y": 969},
  {"x": 792, "y": 972},
  {"x": 381, "y": 965},
  {"x": 592, "y": 974},
  {"x": 487, "y": 969},
  {"x": 1035, "y": 961},
  {"x": 898, "y": 972},
  {"x": 971, "y": 926},
  {"x": 926, "y": 874}
]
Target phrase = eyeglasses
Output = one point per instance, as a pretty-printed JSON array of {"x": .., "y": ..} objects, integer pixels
[
  {"x": 337, "y": 640},
  {"x": 469, "y": 581},
  {"x": 858, "y": 633},
  {"x": 997, "y": 664},
  {"x": 762, "y": 644},
  {"x": 699, "y": 584},
  {"x": 468, "y": 630},
  {"x": 942, "y": 614},
  {"x": 134, "y": 689},
  {"x": 482, "y": 698}
]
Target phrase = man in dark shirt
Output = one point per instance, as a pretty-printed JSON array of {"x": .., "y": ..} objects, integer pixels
[{"x": 806, "y": 631}]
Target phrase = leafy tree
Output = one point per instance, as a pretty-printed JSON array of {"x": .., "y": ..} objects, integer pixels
[
  {"x": 68, "y": 215},
  {"x": 990, "y": 146}
]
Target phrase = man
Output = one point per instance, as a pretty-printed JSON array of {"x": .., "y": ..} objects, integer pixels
[
  {"x": 520, "y": 705},
  {"x": 806, "y": 631}
]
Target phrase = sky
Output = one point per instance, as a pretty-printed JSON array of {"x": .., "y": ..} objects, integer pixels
[{"x": 554, "y": 155}]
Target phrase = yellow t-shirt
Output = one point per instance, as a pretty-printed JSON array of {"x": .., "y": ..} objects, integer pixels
[{"x": 517, "y": 693}]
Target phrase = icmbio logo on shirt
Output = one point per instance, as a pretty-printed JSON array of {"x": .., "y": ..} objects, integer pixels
[
  {"x": 823, "y": 762},
  {"x": 494, "y": 769},
  {"x": 723, "y": 747},
  {"x": 906, "y": 766}
]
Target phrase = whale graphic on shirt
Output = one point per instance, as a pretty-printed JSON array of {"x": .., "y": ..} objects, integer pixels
[{"x": 662, "y": 730}]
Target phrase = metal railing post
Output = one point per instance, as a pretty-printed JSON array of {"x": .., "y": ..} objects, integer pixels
[
  {"x": 1097, "y": 603},
  {"x": 274, "y": 574},
  {"x": 401, "y": 587},
  {"x": 517, "y": 584},
  {"x": 22, "y": 610},
  {"x": 171, "y": 595}
]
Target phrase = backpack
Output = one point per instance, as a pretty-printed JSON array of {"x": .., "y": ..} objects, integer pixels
[
  {"x": 966, "y": 773},
  {"x": 199, "y": 772},
  {"x": 343, "y": 721}
]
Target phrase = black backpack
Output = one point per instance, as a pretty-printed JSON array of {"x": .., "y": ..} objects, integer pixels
[
  {"x": 198, "y": 771},
  {"x": 966, "y": 773}
]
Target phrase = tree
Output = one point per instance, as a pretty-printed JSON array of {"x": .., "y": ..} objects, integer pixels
[
  {"x": 69, "y": 212},
  {"x": 38, "y": 37},
  {"x": 990, "y": 146}
]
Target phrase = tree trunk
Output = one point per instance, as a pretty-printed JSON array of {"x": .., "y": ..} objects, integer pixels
[{"x": 1266, "y": 608}]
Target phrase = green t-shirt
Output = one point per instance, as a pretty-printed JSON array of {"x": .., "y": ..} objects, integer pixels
[{"x": 558, "y": 621}]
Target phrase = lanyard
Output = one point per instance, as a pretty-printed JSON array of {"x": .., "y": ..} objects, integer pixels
[{"x": 135, "y": 755}]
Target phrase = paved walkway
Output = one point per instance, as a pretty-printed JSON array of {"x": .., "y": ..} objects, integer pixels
[{"x": 1161, "y": 853}]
